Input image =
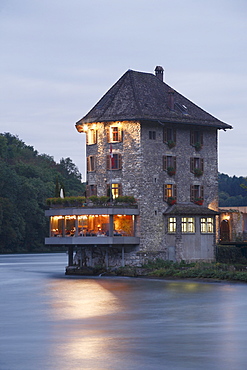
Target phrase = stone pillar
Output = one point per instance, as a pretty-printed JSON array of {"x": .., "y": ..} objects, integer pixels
[
  {"x": 106, "y": 258},
  {"x": 76, "y": 226},
  {"x": 123, "y": 261},
  {"x": 70, "y": 255},
  {"x": 111, "y": 225},
  {"x": 63, "y": 227}
]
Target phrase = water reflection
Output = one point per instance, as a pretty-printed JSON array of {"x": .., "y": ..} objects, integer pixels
[{"x": 49, "y": 321}]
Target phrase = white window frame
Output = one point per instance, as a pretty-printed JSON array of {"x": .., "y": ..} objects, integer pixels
[
  {"x": 188, "y": 225},
  {"x": 172, "y": 225},
  {"x": 91, "y": 136},
  {"x": 207, "y": 225}
]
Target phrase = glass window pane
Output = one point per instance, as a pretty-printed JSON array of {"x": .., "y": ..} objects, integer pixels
[
  {"x": 171, "y": 224},
  {"x": 123, "y": 225}
]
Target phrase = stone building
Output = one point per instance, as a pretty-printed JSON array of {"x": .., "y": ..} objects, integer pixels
[
  {"x": 146, "y": 140},
  {"x": 233, "y": 224}
]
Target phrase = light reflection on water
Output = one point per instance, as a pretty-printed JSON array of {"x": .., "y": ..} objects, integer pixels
[{"x": 50, "y": 321}]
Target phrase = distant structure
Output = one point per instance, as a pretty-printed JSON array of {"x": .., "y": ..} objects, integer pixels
[{"x": 145, "y": 140}]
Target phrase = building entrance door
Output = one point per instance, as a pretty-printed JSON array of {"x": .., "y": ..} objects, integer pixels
[{"x": 224, "y": 231}]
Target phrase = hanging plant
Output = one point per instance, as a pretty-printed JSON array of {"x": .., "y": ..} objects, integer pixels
[
  {"x": 198, "y": 172},
  {"x": 171, "y": 201},
  {"x": 171, "y": 143},
  {"x": 171, "y": 171},
  {"x": 198, "y": 201},
  {"x": 198, "y": 146}
]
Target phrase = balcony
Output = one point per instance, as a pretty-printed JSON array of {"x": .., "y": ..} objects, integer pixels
[{"x": 92, "y": 223}]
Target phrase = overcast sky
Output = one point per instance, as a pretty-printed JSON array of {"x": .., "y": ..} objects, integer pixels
[{"x": 59, "y": 57}]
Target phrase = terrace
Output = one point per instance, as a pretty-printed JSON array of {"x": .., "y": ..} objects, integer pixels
[{"x": 94, "y": 221}]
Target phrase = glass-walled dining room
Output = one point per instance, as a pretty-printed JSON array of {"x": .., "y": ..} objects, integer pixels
[{"x": 92, "y": 225}]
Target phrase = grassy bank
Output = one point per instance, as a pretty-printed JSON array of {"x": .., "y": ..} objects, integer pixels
[{"x": 198, "y": 270}]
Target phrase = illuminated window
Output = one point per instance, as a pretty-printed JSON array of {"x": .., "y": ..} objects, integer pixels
[
  {"x": 93, "y": 225},
  {"x": 207, "y": 225},
  {"x": 70, "y": 225},
  {"x": 116, "y": 190},
  {"x": 170, "y": 190},
  {"x": 114, "y": 134},
  {"x": 91, "y": 136},
  {"x": 172, "y": 224},
  {"x": 188, "y": 224},
  {"x": 123, "y": 225},
  {"x": 114, "y": 162},
  {"x": 56, "y": 225}
]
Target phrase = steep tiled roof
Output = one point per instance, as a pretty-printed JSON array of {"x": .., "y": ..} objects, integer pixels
[
  {"x": 143, "y": 96},
  {"x": 189, "y": 209}
]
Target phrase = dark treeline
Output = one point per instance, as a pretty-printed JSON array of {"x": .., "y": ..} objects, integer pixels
[
  {"x": 27, "y": 179},
  {"x": 232, "y": 191}
]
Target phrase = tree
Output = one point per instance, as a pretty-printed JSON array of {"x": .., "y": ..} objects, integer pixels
[{"x": 27, "y": 179}]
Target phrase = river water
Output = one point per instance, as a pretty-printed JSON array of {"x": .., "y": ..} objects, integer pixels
[{"x": 52, "y": 321}]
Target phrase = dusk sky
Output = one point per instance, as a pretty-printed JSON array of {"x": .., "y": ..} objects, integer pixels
[{"x": 59, "y": 57}]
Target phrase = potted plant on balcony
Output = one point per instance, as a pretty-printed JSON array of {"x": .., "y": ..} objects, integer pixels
[
  {"x": 171, "y": 143},
  {"x": 198, "y": 201},
  {"x": 171, "y": 201},
  {"x": 198, "y": 146},
  {"x": 198, "y": 172},
  {"x": 171, "y": 171}
]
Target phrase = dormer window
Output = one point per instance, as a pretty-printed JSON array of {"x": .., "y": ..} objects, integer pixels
[{"x": 114, "y": 134}]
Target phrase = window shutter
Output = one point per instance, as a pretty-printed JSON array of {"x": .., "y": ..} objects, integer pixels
[
  {"x": 201, "y": 138},
  {"x": 92, "y": 162},
  {"x": 95, "y": 189},
  {"x": 164, "y": 192},
  {"x": 88, "y": 164},
  {"x": 192, "y": 165},
  {"x": 87, "y": 137},
  {"x": 108, "y": 190},
  {"x": 165, "y": 135},
  {"x": 108, "y": 134},
  {"x": 175, "y": 191},
  {"x": 174, "y": 136},
  {"x": 108, "y": 162},
  {"x": 120, "y": 134},
  {"x": 191, "y": 193},
  {"x": 192, "y": 137},
  {"x": 95, "y": 136},
  {"x": 164, "y": 162},
  {"x": 119, "y": 161},
  {"x": 202, "y": 192},
  {"x": 119, "y": 189},
  {"x": 202, "y": 164},
  {"x": 175, "y": 162}
]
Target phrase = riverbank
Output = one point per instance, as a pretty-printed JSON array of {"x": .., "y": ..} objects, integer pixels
[{"x": 168, "y": 269}]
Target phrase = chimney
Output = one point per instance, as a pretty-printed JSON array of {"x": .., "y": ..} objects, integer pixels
[
  {"x": 159, "y": 72},
  {"x": 171, "y": 99}
]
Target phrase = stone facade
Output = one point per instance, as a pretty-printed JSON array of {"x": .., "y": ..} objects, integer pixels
[
  {"x": 152, "y": 143},
  {"x": 143, "y": 176}
]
